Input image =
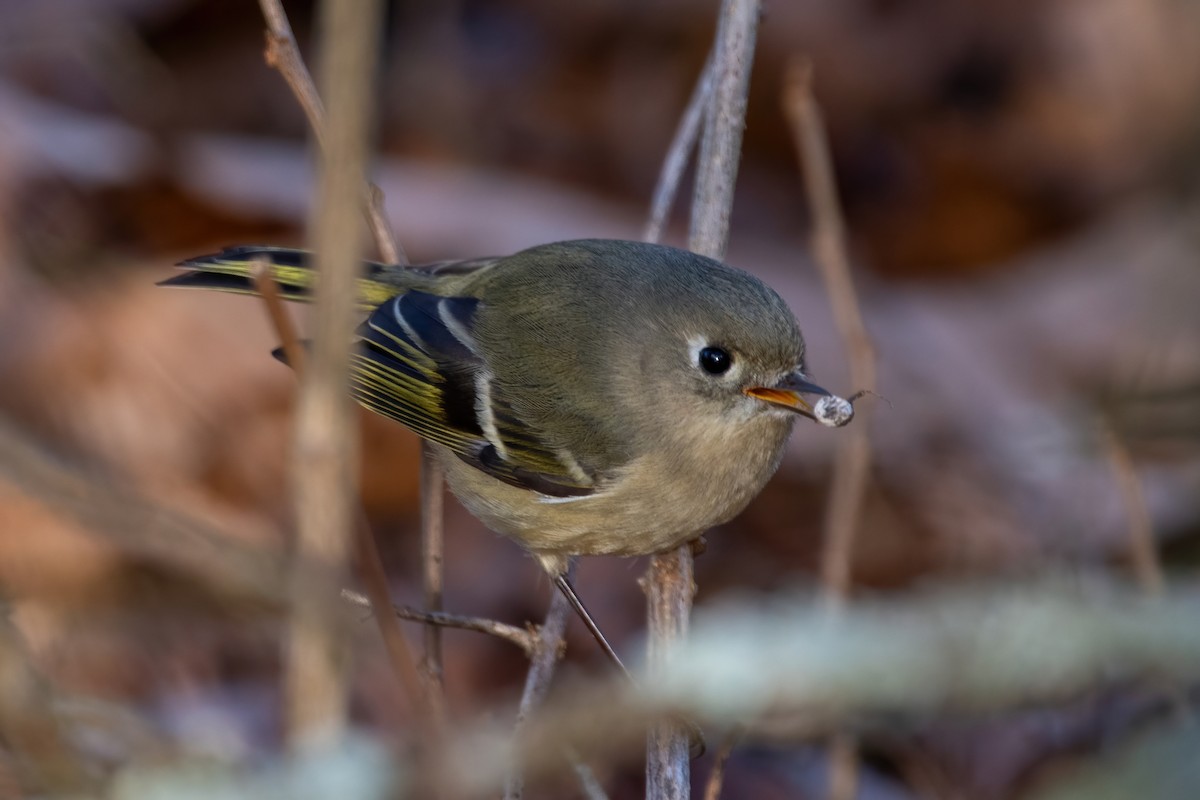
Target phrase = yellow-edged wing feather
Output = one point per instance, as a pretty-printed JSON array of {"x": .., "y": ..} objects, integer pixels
[{"x": 417, "y": 364}]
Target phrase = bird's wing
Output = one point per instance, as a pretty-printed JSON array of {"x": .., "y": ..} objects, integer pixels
[
  {"x": 455, "y": 266},
  {"x": 417, "y": 363}
]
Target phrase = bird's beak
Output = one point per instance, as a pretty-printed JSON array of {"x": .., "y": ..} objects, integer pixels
[{"x": 789, "y": 393}]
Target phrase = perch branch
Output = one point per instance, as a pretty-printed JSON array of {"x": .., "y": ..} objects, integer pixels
[
  {"x": 721, "y": 146},
  {"x": 669, "y": 583}
]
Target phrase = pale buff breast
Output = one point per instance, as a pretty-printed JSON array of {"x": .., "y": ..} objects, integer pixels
[{"x": 661, "y": 500}]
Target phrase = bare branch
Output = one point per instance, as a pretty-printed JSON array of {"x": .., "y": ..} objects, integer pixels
[
  {"x": 853, "y": 460},
  {"x": 592, "y": 790},
  {"x": 524, "y": 638},
  {"x": 390, "y": 249},
  {"x": 1143, "y": 549},
  {"x": 537, "y": 681},
  {"x": 670, "y": 584},
  {"x": 678, "y": 153},
  {"x": 280, "y": 320},
  {"x": 432, "y": 536},
  {"x": 283, "y": 54},
  {"x": 712, "y": 789},
  {"x": 370, "y": 566},
  {"x": 721, "y": 147},
  {"x": 843, "y": 767},
  {"x": 324, "y": 475}
]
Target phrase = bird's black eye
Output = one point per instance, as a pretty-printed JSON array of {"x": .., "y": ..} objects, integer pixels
[{"x": 715, "y": 361}]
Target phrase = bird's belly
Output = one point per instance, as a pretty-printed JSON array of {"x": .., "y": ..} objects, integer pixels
[{"x": 655, "y": 507}]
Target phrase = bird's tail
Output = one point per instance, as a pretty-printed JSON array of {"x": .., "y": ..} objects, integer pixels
[{"x": 233, "y": 270}]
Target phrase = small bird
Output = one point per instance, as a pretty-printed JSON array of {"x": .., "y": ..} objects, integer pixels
[{"x": 584, "y": 397}]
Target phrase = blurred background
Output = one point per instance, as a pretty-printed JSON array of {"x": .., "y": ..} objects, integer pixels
[{"x": 1020, "y": 183}]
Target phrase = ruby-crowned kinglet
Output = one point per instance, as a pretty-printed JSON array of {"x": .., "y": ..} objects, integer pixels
[{"x": 585, "y": 397}]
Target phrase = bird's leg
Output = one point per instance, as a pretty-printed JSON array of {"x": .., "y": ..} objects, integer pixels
[
  {"x": 695, "y": 735},
  {"x": 564, "y": 586}
]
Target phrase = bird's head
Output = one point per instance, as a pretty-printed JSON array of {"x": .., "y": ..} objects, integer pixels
[{"x": 732, "y": 344}]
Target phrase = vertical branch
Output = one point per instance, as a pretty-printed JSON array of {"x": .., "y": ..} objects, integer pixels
[
  {"x": 432, "y": 555},
  {"x": 843, "y": 767},
  {"x": 323, "y": 477},
  {"x": 283, "y": 54},
  {"x": 716, "y": 778},
  {"x": 1143, "y": 550},
  {"x": 853, "y": 460},
  {"x": 829, "y": 247},
  {"x": 721, "y": 147},
  {"x": 537, "y": 680},
  {"x": 670, "y": 584},
  {"x": 369, "y": 563},
  {"x": 669, "y": 597},
  {"x": 681, "y": 148}
]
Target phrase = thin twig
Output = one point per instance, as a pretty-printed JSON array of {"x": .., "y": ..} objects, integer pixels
[
  {"x": 843, "y": 767},
  {"x": 1143, "y": 549},
  {"x": 592, "y": 790},
  {"x": 390, "y": 249},
  {"x": 370, "y": 565},
  {"x": 524, "y": 638},
  {"x": 324, "y": 475},
  {"x": 716, "y": 778},
  {"x": 432, "y": 537},
  {"x": 431, "y": 712},
  {"x": 853, "y": 460},
  {"x": 670, "y": 586},
  {"x": 537, "y": 681},
  {"x": 829, "y": 247},
  {"x": 278, "y": 315},
  {"x": 283, "y": 54},
  {"x": 682, "y": 145}
]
